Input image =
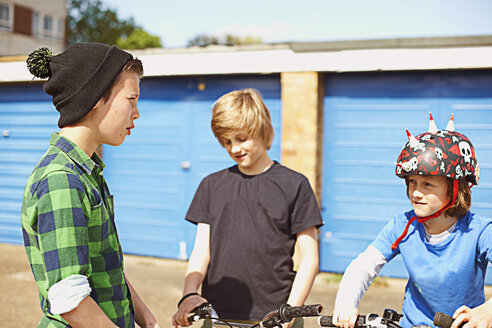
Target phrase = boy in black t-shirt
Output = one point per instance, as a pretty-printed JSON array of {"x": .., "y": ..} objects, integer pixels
[{"x": 249, "y": 217}]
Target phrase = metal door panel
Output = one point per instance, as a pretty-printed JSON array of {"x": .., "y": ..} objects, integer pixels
[
  {"x": 365, "y": 117},
  {"x": 27, "y": 119},
  {"x": 155, "y": 173}
]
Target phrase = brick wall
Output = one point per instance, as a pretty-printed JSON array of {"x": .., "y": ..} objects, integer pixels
[{"x": 302, "y": 121}]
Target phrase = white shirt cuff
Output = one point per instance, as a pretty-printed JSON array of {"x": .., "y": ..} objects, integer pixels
[{"x": 66, "y": 295}]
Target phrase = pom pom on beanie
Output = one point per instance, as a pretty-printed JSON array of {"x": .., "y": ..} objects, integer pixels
[{"x": 38, "y": 63}]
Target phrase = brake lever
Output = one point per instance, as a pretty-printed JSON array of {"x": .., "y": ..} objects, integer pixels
[{"x": 202, "y": 311}]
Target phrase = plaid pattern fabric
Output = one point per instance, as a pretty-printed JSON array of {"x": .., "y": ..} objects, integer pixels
[{"x": 68, "y": 228}]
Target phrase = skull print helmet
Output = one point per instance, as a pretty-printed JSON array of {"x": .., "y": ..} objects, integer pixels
[{"x": 446, "y": 153}]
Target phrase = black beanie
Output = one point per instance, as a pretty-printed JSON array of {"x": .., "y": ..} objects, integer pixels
[{"x": 78, "y": 77}]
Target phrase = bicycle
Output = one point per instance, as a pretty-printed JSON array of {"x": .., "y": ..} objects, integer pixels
[
  {"x": 389, "y": 319},
  {"x": 272, "y": 319},
  {"x": 444, "y": 321}
]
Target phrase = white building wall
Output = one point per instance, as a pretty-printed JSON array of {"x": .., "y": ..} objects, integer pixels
[
  {"x": 13, "y": 44},
  {"x": 19, "y": 44},
  {"x": 55, "y": 7}
]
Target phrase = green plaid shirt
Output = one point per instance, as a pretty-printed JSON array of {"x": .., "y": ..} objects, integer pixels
[{"x": 68, "y": 228}]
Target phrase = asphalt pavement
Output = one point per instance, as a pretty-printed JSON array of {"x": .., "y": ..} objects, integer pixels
[{"x": 159, "y": 282}]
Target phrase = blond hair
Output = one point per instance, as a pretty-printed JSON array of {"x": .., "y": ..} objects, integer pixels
[{"x": 242, "y": 109}]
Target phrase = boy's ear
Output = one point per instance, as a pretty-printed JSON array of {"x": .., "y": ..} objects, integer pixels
[
  {"x": 98, "y": 104},
  {"x": 94, "y": 109}
]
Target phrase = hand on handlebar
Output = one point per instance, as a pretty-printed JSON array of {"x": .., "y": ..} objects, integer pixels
[
  {"x": 478, "y": 317},
  {"x": 274, "y": 319},
  {"x": 345, "y": 318},
  {"x": 288, "y": 324},
  {"x": 180, "y": 318}
]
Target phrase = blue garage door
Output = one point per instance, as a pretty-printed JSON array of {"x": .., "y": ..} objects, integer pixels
[
  {"x": 155, "y": 173},
  {"x": 365, "y": 116},
  {"x": 27, "y": 119}
]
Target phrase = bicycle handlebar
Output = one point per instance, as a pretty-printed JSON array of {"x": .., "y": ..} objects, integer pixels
[
  {"x": 444, "y": 321},
  {"x": 286, "y": 313},
  {"x": 327, "y": 321},
  {"x": 273, "y": 319},
  {"x": 203, "y": 311},
  {"x": 389, "y": 319},
  {"x": 440, "y": 320}
]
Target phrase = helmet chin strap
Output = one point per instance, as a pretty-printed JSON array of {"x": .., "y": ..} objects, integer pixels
[{"x": 427, "y": 218}]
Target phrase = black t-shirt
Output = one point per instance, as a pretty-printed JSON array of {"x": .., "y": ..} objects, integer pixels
[{"x": 253, "y": 225}]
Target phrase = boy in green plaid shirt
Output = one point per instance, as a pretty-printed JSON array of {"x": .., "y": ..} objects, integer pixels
[{"x": 67, "y": 213}]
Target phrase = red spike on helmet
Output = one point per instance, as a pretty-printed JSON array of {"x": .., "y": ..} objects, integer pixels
[
  {"x": 432, "y": 124},
  {"x": 413, "y": 142},
  {"x": 450, "y": 126},
  {"x": 444, "y": 153}
]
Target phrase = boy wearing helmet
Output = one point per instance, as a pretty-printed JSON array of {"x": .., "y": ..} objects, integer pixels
[{"x": 444, "y": 246}]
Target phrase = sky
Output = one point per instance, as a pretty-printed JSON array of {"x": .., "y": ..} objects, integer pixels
[{"x": 277, "y": 21}]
